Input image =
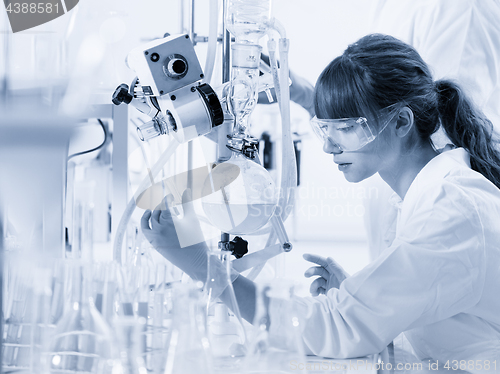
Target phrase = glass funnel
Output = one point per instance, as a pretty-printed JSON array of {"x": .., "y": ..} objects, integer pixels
[{"x": 239, "y": 196}]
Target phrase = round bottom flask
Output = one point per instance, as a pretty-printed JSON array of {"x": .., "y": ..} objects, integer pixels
[{"x": 239, "y": 196}]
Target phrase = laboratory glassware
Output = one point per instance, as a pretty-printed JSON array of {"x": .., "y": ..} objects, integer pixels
[
  {"x": 247, "y": 19},
  {"x": 27, "y": 300},
  {"x": 82, "y": 244},
  {"x": 276, "y": 341},
  {"x": 189, "y": 348},
  {"x": 244, "y": 84},
  {"x": 128, "y": 332},
  {"x": 161, "y": 319},
  {"x": 82, "y": 340},
  {"x": 240, "y": 205},
  {"x": 226, "y": 330},
  {"x": 18, "y": 313}
]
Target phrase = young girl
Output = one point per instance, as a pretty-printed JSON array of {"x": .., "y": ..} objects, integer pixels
[{"x": 439, "y": 281}]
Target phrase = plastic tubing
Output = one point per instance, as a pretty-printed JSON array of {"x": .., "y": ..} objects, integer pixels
[
  {"x": 212, "y": 40},
  {"x": 271, "y": 46},
  {"x": 277, "y": 26},
  {"x": 146, "y": 182},
  {"x": 289, "y": 166}
]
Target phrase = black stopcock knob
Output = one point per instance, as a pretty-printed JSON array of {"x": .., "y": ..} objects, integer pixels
[
  {"x": 121, "y": 95},
  {"x": 239, "y": 247}
]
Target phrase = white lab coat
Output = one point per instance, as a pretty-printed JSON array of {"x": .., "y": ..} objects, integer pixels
[{"x": 439, "y": 281}]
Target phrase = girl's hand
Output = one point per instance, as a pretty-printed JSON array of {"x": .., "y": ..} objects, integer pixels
[{"x": 331, "y": 274}]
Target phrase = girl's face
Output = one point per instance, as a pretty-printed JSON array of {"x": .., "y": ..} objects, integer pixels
[{"x": 377, "y": 155}]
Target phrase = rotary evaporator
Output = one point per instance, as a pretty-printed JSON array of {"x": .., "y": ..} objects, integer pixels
[{"x": 238, "y": 195}]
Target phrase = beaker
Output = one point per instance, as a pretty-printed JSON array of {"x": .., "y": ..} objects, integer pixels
[
  {"x": 82, "y": 341},
  {"x": 225, "y": 327},
  {"x": 189, "y": 348},
  {"x": 239, "y": 204},
  {"x": 26, "y": 307},
  {"x": 276, "y": 342},
  {"x": 128, "y": 331}
]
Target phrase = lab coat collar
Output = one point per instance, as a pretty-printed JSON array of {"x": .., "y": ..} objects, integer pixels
[{"x": 436, "y": 169}]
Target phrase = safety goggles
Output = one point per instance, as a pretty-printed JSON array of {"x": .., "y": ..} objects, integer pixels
[{"x": 351, "y": 134}]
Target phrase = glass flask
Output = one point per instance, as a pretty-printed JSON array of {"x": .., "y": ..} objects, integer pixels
[
  {"x": 189, "y": 348},
  {"x": 247, "y": 19},
  {"x": 26, "y": 305},
  {"x": 82, "y": 341},
  {"x": 18, "y": 316},
  {"x": 276, "y": 341},
  {"x": 239, "y": 200}
]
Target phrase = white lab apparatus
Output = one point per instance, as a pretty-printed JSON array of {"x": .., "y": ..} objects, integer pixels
[{"x": 131, "y": 299}]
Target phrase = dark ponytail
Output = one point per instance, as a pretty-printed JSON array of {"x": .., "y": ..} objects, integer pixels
[
  {"x": 468, "y": 128},
  {"x": 380, "y": 70}
]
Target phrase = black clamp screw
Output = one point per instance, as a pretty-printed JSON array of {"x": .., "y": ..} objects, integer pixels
[
  {"x": 122, "y": 95},
  {"x": 237, "y": 246}
]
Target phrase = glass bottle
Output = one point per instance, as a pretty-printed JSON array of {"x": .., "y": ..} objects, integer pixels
[
  {"x": 276, "y": 341},
  {"x": 82, "y": 341},
  {"x": 189, "y": 348},
  {"x": 240, "y": 204}
]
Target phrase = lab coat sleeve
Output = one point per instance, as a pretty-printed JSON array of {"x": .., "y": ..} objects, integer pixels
[{"x": 432, "y": 271}]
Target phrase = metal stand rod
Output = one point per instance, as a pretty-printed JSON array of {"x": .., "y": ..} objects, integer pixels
[
  {"x": 191, "y": 33},
  {"x": 226, "y": 76}
]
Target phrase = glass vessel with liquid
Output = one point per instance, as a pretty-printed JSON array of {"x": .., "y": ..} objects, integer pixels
[{"x": 239, "y": 196}]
